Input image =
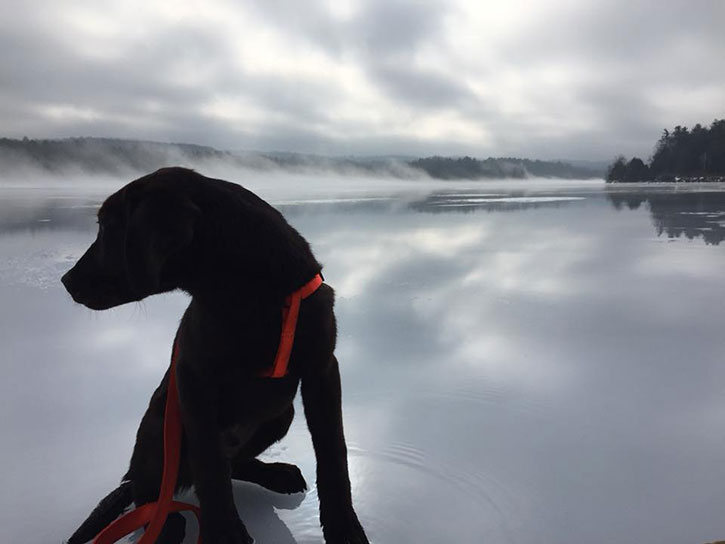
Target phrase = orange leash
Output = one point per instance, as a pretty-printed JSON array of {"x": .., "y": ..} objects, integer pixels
[{"x": 154, "y": 514}]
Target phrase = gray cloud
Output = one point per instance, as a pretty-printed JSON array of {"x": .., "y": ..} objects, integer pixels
[
  {"x": 399, "y": 26},
  {"x": 587, "y": 80},
  {"x": 419, "y": 87}
]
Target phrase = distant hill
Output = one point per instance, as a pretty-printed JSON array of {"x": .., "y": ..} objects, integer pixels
[
  {"x": 99, "y": 155},
  {"x": 108, "y": 156}
]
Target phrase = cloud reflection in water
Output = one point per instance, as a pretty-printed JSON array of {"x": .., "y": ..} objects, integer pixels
[{"x": 548, "y": 374}]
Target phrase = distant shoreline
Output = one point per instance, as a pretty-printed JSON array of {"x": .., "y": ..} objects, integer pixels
[
  {"x": 675, "y": 180},
  {"x": 682, "y": 155}
]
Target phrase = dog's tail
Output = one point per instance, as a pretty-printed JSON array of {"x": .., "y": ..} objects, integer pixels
[{"x": 110, "y": 507}]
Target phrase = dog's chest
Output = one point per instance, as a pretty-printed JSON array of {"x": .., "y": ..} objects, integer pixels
[{"x": 254, "y": 400}]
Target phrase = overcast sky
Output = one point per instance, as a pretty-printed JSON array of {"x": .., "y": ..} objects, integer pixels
[{"x": 550, "y": 79}]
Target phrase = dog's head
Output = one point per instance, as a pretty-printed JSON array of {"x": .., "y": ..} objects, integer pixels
[{"x": 143, "y": 232}]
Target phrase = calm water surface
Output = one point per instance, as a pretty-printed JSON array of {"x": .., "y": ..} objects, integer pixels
[{"x": 522, "y": 363}]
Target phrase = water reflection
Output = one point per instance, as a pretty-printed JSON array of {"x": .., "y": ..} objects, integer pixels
[
  {"x": 447, "y": 201},
  {"x": 551, "y": 374},
  {"x": 46, "y": 213},
  {"x": 692, "y": 214}
]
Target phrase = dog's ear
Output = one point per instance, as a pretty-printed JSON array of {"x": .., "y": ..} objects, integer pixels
[{"x": 157, "y": 230}]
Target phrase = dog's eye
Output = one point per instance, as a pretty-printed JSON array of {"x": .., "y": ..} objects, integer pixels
[{"x": 105, "y": 222}]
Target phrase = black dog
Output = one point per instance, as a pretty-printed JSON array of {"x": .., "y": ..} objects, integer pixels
[{"x": 238, "y": 259}]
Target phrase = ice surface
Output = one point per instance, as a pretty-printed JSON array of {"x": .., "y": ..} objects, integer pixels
[{"x": 538, "y": 373}]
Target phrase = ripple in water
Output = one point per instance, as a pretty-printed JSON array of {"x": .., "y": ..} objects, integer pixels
[{"x": 410, "y": 477}]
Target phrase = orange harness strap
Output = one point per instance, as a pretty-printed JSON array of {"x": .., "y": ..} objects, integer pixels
[
  {"x": 154, "y": 514},
  {"x": 289, "y": 325}
]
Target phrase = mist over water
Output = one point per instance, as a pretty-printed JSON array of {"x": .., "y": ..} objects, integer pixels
[{"x": 522, "y": 361}]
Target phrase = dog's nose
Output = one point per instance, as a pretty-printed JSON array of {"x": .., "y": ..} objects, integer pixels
[{"x": 66, "y": 281}]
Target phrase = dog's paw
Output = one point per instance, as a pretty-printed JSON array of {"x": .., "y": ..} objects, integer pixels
[
  {"x": 343, "y": 529},
  {"x": 173, "y": 531},
  {"x": 228, "y": 533},
  {"x": 283, "y": 478}
]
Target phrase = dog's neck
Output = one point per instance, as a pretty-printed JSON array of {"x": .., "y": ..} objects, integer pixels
[
  {"x": 243, "y": 253},
  {"x": 238, "y": 285},
  {"x": 268, "y": 269}
]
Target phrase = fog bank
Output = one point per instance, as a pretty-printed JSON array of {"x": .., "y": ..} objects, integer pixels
[{"x": 84, "y": 159}]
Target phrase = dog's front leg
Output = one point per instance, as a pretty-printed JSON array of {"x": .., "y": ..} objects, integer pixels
[
  {"x": 220, "y": 523},
  {"x": 322, "y": 399}
]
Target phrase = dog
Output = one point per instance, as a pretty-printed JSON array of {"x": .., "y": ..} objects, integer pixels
[{"x": 239, "y": 259}]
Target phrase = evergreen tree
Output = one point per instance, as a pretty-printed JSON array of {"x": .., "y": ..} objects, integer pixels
[
  {"x": 617, "y": 169},
  {"x": 636, "y": 170},
  {"x": 682, "y": 152}
]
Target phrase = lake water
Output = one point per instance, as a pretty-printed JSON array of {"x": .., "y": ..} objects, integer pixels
[{"x": 523, "y": 362}]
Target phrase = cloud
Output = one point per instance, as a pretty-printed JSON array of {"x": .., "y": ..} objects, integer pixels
[{"x": 548, "y": 80}]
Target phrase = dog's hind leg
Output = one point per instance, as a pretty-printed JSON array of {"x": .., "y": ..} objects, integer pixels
[
  {"x": 141, "y": 482},
  {"x": 107, "y": 510},
  {"x": 111, "y": 506},
  {"x": 145, "y": 490},
  {"x": 278, "y": 477},
  {"x": 147, "y": 466}
]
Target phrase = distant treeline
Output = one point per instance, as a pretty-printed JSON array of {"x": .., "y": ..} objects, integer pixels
[
  {"x": 680, "y": 155},
  {"x": 469, "y": 168},
  {"x": 126, "y": 157}
]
